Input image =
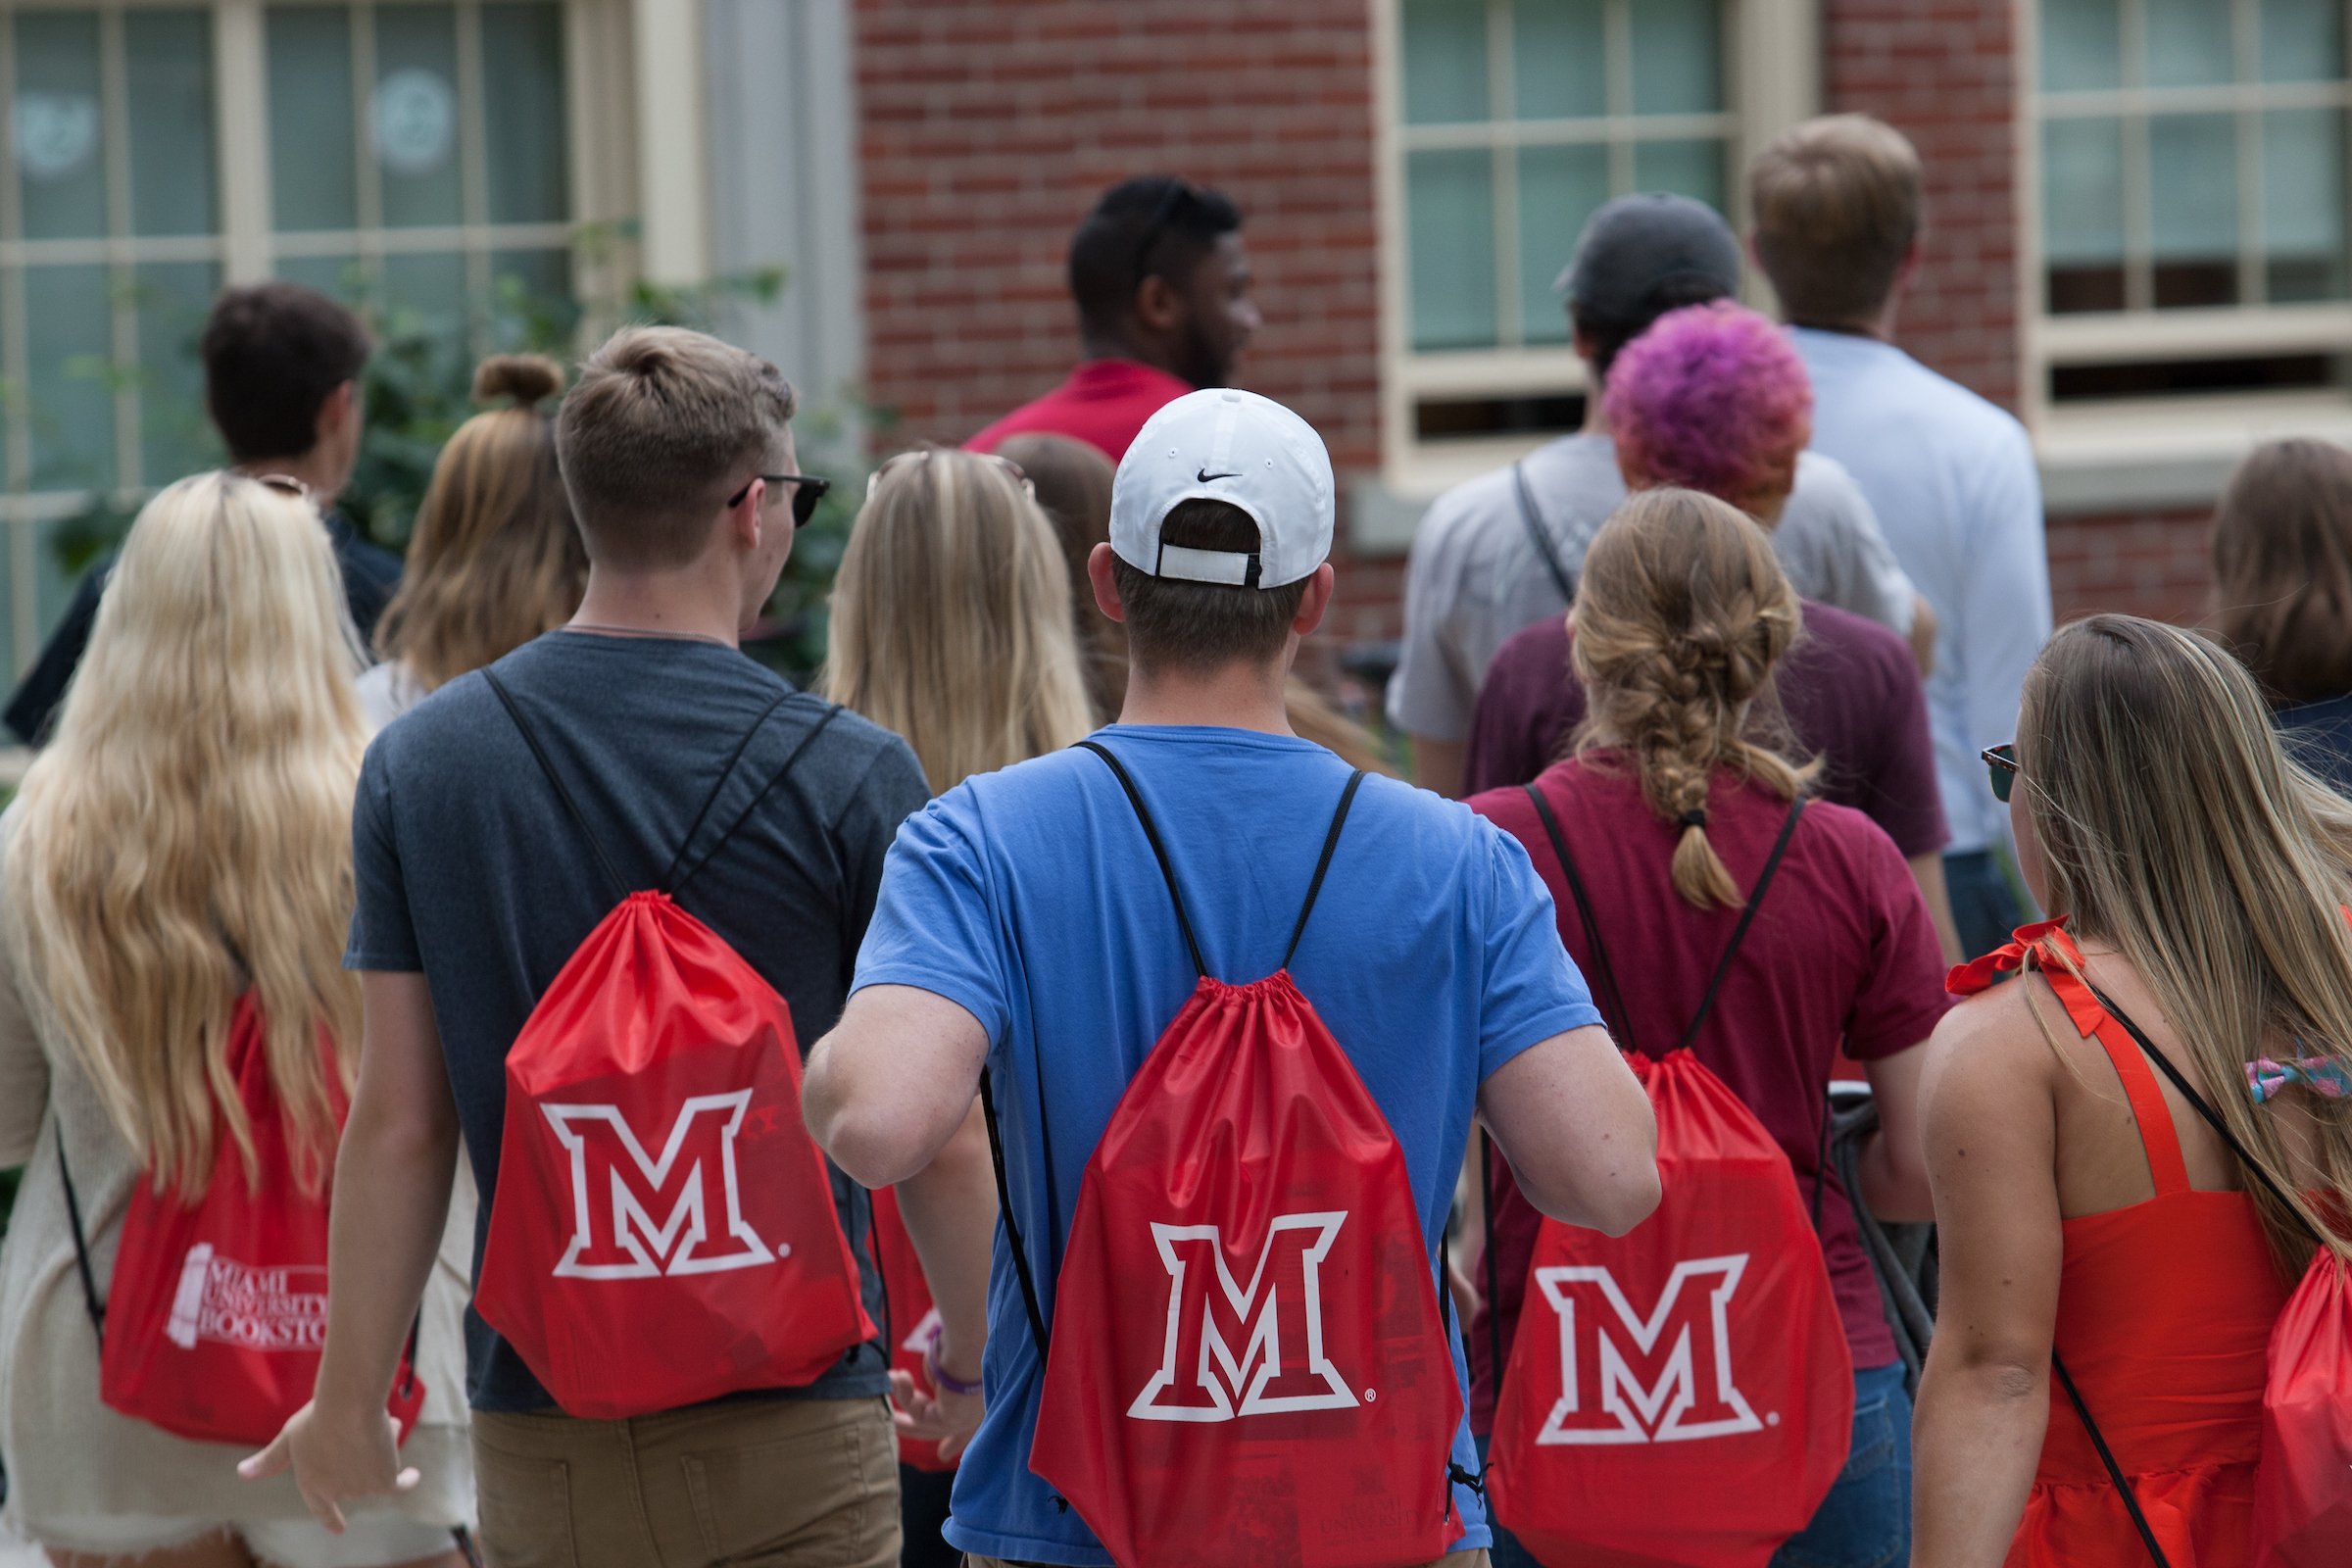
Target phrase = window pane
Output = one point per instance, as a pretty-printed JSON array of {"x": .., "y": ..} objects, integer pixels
[
  {"x": 1559, "y": 60},
  {"x": 1444, "y": 61},
  {"x": 2192, "y": 201},
  {"x": 1678, "y": 57},
  {"x": 428, "y": 290},
  {"x": 313, "y": 173},
  {"x": 413, "y": 115},
  {"x": 2189, "y": 43},
  {"x": 531, "y": 304},
  {"x": 68, "y": 330},
  {"x": 2082, "y": 45},
  {"x": 59, "y": 130},
  {"x": 1558, "y": 189},
  {"x": 2302, "y": 40},
  {"x": 2303, "y": 204},
  {"x": 1451, "y": 197},
  {"x": 336, "y": 276},
  {"x": 523, "y": 51},
  {"x": 175, "y": 438},
  {"x": 169, "y": 57},
  {"x": 1685, "y": 167},
  {"x": 2083, "y": 214}
]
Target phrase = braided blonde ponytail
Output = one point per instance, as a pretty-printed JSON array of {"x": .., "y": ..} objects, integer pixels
[{"x": 1681, "y": 617}]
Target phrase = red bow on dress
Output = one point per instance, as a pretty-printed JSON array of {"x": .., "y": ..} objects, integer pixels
[{"x": 1979, "y": 974}]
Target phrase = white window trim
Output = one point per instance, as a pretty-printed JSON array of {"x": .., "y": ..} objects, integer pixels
[
  {"x": 1772, "y": 81},
  {"x": 2145, "y": 453}
]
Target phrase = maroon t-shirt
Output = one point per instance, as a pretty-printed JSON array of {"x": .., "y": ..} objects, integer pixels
[
  {"x": 1103, "y": 404},
  {"x": 1841, "y": 951},
  {"x": 1849, "y": 688}
]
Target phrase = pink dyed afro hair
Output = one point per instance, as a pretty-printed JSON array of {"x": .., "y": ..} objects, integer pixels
[{"x": 1712, "y": 397}]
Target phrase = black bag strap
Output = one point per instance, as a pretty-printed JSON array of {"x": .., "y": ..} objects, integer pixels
[
  {"x": 669, "y": 878},
  {"x": 1755, "y": 900},
  {"x": 1561, "y": 577},
  {"x": 2212, "y": 1117},
  {"x": 530, "y": 737},
  {"x": 1619, "y": 1018},
  {"x": 1331, "y": 841},
  {"x": 832, "y": 713},
  {"x": 2114, "y": 1472},
  {"x": 82, "y": 1245},
  {"x": 1486, "y": 1172},
  {"x": 1039, "y": 1332}
]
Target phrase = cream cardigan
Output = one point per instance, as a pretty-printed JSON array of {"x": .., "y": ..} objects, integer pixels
[{"x": 67, "y": 1455}]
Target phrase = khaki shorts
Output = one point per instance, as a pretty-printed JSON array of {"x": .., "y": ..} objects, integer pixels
[
  {"x": 781, "y": 1481},
  {"x": 1476, "y": 1558}
]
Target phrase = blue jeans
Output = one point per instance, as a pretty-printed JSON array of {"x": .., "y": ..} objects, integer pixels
[
  {"x": 1983, "y": 906},
  {"x": 1865, "y": 1522}
]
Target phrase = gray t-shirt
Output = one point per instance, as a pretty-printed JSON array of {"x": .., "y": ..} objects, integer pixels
[
  {"x": 1474, "y": 576},
  {"x": 470, "y": 870}
]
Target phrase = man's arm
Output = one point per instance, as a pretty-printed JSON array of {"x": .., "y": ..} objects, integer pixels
[
  {"x": 1924, "y": 627},
  {"x": 1438, "y": 765},
  {"x": 950, "y": 1210},
  {"x": 1928, "y": 871},
  {"x": 2004, "y": 611},
  {"x": 1893, "y": 1167},
  {"x": 391, "y": 1201},
  {"x": 1576, "y": 1125}
]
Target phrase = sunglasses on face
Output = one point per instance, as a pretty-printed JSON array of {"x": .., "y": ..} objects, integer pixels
[
  {"x": 808, "y": 491},
  {"x": 2000, "y": 762},
  {"x": 874, "y": 479}
]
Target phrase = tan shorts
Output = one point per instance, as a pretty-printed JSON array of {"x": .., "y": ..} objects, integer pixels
[
  {"x": 756, "y": 1482},
  {"x": 1476, "y": 1558}
]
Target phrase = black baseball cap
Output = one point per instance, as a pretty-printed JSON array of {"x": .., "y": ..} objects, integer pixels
[{"x": 1635, "y": 244}]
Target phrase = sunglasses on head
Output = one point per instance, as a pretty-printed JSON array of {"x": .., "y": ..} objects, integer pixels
[
  {"x": 808, "y": 491},
  {"x": 1179, "y": 192},
  {"x": 873, "y": 481},
  {"x": 286, "y": 484},
  {"x": 2000, "y": 762}
]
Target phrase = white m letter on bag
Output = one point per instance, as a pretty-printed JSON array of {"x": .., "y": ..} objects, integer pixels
[
  {"x": 1200, "y": 1377},
  {"x": 1678, "y": 1403},
  {"x": 597, "y": 1134}
]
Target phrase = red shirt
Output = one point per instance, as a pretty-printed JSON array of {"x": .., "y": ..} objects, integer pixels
[
  {"x": 1849, "y": 687},
  {"x": 1841, "y": 951},
  {"x": 1103, "y": 404}
]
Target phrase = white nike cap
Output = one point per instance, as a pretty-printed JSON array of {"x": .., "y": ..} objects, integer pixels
[{"x": 1233, "y": 446}]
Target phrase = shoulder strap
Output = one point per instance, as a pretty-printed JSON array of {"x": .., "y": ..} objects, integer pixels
[
  {"x": 1561, "y": 578},
  {"x": 1039, "y": 1332},
  {"x": 669, "y": 877},
  {"x": 1167, "y": 868},
  {"x": 2159, "y": 1139},
  {"x": 1486, "y": 1173},
  {"x": 2114, "y": 1472},
  {"x": 620, "y": 885},
  {"x": 1619, "y": 1018},
  {"x": 1755, "y": 900},
  {"x": 1331, "y": 841},
  {"x": 82, "y": 1245},
  {"x": 2212, "y": 1118},
  {"x": 832, "y": 713}
]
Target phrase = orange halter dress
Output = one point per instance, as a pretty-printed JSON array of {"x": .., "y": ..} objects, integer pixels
[{"x": 2164, "y": 1310}]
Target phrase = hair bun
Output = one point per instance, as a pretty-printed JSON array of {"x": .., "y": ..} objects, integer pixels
[{"x": 527, "y": 378}]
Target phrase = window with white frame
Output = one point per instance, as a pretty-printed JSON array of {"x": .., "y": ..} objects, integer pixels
[
  {"x": 2192, "y": 202},
  {"x": 387, "y": 166}
]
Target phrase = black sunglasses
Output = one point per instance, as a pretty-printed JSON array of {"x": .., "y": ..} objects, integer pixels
[
  {"x": 1179, "y": 192},
  {"x": 2000, "y": 762},
  {"x": 808, "y": 491}
]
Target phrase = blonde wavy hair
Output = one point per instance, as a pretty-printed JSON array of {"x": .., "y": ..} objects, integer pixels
[
  {"x": 950, "y": 620},
  {"x": 1681, "y": 617},
  {"x": 2174, "y": 829},
  {"x": 187, "y": 833},
  {"x": 495, "y": 558}
]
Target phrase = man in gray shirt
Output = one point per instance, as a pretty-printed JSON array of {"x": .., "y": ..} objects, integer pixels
[{"x": 1501, "y": 550}]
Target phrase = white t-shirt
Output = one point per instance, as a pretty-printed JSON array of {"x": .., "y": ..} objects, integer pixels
[
  {"x": 1474, "y": 576},
  {"x": 387, "y": 691},
  {"x": 1954, "y": 483}
]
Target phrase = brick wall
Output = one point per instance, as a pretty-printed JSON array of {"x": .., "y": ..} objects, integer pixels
[
  {"x": 2156, "y": 563},
  {"x": 1945, "y": 73}
]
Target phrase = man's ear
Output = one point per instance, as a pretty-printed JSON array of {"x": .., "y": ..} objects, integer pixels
[
  {"x": 1106, "y": 585},
  {"x": 1316, "y": 600},
  {"x": 337, "y": 411},
  {"x": 744, "y": 524},
  {"x": 1160, "y": 305}
]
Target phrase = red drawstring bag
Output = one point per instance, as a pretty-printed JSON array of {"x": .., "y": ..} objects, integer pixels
[
  {"x": 663, "y": 1231},
  {"x": 1682, "y": 1395},
  {"x": 216, "y": 1313},
  {"x": 1247, "y": 1364},
  {"x": 912, "y": 1318}
]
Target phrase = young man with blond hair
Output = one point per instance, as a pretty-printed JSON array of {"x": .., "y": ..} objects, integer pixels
[
  {"x": 475, "y": 889},
  {"x": 1951, "y": 477}
]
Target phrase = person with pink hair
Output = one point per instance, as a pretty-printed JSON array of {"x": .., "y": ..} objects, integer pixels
[{"x": 1712, "y": 397}]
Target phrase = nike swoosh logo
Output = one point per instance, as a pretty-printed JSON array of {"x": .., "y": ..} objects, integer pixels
[{"x": 1203, "y": 477}]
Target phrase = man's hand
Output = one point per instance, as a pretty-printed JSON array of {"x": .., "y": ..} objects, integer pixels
[
  {"x": 935, "y": 1414},
  {"x": 335, "y": 1458}
]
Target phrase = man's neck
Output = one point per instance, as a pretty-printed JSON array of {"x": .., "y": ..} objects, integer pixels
[
  {"x": 312, "y": 468},
  {"x": 1113, "y": 348},
  {"x": 1878, "y": 328},
  {"x": 1239, "y": 696},
  {"x": 699, "y": 601}
]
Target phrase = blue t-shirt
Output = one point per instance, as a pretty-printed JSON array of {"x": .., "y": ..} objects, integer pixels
[{"x": 1031, "y": 898}]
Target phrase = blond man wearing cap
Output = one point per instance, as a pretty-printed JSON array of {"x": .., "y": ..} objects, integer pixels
[{"x": 1024, "y": 931}]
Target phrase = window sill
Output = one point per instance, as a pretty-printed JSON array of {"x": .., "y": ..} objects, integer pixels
[{"x": 2176, "y": 453}]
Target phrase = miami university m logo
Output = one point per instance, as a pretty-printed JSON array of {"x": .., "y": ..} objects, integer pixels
[
  {"x": 1201, "y": 1378},
  {"x": 611, "y": 1169},
  {"x": 1608, "y": 1349}
]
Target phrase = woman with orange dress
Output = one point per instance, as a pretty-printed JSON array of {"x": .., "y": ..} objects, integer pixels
[{"x": 2105, "y": 1257}]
